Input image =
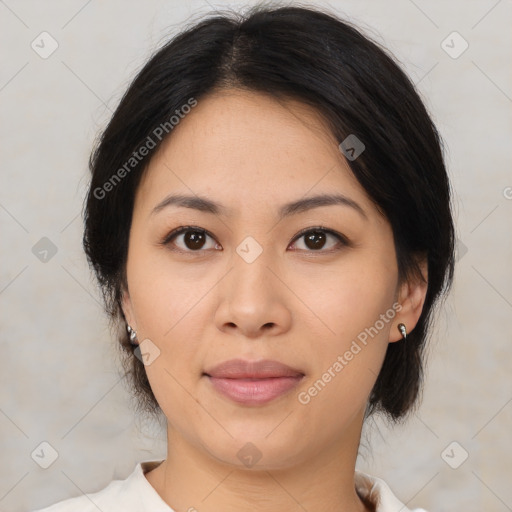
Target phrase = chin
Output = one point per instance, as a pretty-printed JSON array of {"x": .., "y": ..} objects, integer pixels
[{"x": 258, "y": 452}]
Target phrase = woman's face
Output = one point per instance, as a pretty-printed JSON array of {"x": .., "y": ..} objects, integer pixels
[{"x": 251, "y": 287}]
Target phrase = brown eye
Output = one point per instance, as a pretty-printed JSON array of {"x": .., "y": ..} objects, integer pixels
[
  {"x": 315, "y": 239},
  {"x": 189, "y": 239},
  {"x": 194, "y": 239},
  {"x": 318, "y": 238}
]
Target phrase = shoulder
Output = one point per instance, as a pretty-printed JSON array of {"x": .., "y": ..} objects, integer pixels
[
  {"x": 377, "y": 492},
  {"x": 106, "y": 497},
  {"x": 110, "y": 497},
  {"x": 130, "y": 494}
]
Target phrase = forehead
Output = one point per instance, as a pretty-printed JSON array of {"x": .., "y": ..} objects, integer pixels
[{"x": 245, "y": 146}]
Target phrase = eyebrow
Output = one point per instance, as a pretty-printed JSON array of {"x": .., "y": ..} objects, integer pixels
[{"x": 206, "y": 205}]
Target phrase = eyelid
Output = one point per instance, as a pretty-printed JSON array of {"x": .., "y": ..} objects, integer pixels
[
  {"x": 183, "y": 229},
  {"x": 342, "y": 238},
  {"x": 175, "y": 232}
]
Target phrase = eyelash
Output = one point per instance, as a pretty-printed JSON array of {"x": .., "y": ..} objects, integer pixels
[{"x": 183, "y": 229}]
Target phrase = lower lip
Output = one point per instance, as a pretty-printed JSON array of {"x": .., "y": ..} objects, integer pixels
[{"x": 254, "y": 391}]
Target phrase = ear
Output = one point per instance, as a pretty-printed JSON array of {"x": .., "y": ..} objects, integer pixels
[
  {"x": 411, "y": 296},
  {"x": 127, "y": 307}
]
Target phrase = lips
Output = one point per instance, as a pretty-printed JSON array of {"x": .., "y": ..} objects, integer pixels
[
  {"x": 253, "y": 382},
  {"x": 242, "y": 369}
]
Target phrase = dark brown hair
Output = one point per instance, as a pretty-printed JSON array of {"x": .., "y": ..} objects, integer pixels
[{"x": 314, "y": 57}]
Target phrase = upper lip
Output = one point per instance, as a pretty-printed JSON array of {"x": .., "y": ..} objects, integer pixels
[{"x": 242, "y": 369}]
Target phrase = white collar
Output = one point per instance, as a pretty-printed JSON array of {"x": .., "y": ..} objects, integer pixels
[{"x": 372, "y": 488}]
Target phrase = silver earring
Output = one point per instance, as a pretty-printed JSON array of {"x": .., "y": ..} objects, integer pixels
[
  {"x": 403, "y": 331},
  {"x": 133, "y": 335}
]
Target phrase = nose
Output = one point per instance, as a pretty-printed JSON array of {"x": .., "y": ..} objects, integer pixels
[{"x": 253, "y": 299}]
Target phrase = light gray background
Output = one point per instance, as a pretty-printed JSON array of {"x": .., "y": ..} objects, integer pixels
[{"x": 59, "y": 377}]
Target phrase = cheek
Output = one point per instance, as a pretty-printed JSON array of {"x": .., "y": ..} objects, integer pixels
[
  {"x": 170, "y": 312},
  {"x": 355, "y": 305},
  {"x": 163, "y": 292},
  {"x": 352, "y": 295},
  {"x": 348, "y": 357},
  {"x": 170, "y": 307}
]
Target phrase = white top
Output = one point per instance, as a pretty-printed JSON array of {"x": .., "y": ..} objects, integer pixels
[{"x": 136, "y": 494}]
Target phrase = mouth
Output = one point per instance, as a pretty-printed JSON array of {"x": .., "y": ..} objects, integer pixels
[
  {"x": 254, "y": 391},
  {"x": 253, "y": 382}
]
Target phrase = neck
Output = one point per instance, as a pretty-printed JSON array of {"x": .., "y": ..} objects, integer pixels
[{"x": 190, "y": 479}]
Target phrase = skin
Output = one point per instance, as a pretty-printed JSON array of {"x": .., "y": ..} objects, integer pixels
[{"x": 295, "y": 304}]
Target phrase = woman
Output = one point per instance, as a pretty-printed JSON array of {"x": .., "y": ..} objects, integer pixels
[{"x": 269, "y": 219}]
